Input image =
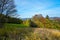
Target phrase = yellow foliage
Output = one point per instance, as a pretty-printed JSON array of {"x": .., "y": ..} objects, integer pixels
[{"x": 26, "y": 23}]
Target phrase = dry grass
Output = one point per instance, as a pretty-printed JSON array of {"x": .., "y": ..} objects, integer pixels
[
  {"x": 32, "y": 34},
  {"x": 47, "y": 34}
]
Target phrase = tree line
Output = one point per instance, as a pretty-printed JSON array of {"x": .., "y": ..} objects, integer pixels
[
  {"x": 38, "y": 21},
  {"x": 7, "y": 12}
]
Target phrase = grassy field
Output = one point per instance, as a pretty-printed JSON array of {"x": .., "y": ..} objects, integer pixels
[
  {"x": 21, "y": 32},
  {"x": 29, "y": 34},
  {"x": 15, "y": 25}
]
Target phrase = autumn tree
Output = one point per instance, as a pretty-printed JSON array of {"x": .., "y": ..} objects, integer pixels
[
  {"x": 7, "y": 8},
  {"x": 32, "y": 24},
  {"x": 39, "y": 20}
]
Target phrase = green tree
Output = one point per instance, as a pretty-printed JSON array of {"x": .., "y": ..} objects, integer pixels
[{"x": 47, "y": 17}]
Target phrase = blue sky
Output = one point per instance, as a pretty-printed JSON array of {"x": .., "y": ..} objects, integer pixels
[{"x": 28, "y": 8}]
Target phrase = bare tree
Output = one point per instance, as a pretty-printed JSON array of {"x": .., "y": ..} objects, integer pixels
[{"x": 7, "y": 8}]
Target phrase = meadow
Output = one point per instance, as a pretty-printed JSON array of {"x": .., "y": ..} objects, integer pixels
[
  {"x": 29, "y": 34},
  {"x": 10, "y": 25},
  {"x": 29, "y": 20}
]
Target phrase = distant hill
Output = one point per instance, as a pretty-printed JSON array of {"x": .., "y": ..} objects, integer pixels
[
  {"x": 25, "y": 19},
  {"x": 52, "y": 18},
  {"x": 55, "y": 18}
]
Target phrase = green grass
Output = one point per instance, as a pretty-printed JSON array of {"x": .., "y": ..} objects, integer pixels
[{"x": 15, "y": 25}]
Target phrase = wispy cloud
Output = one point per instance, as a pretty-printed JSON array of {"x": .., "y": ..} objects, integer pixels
[{"x": 28, "y": 8}]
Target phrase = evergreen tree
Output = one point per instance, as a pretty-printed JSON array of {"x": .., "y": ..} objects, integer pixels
[{"x": 47, "y": 17}]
